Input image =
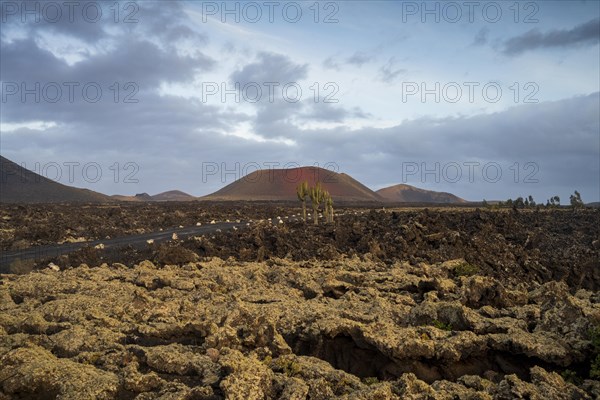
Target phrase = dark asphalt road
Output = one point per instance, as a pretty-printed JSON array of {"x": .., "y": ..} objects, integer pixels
[{"x": 54, "y": 250}]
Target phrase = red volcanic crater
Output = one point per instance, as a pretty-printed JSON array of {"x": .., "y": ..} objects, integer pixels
[{"x": 280, "y": 184}]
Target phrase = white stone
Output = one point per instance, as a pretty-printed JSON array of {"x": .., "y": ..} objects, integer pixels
[{"x": 53, "y": 267}]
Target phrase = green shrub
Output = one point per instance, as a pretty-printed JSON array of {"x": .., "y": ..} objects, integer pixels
[
  {"x": 442, "y": 326},
  {"x": 571, "y": 377},
  {"x": 465, "y": 269},
  {"x": 289, "y": 367},
  {"x": 370, "y": 380},
  {"x": 595, "y": 368}
]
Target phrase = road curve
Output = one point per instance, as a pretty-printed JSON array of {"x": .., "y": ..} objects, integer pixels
[{"x": 54, "y": 250}]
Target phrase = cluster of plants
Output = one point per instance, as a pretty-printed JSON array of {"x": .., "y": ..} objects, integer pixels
[
  {"x": 520, "y": 202},
  {"x": 442, "y": 326},
  {"x": 317, "y": 196},
  {"x": 528, "y": 202}
]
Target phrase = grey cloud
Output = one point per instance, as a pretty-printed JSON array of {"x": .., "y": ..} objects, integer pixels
[
  {"x": 21, "y": 60},
  {"x": 388, "y": 73},
  {"x": 357, "y": 112},
  {"x": 179, "y": 32},
  {"x": 331, "y": 112},
  {"x": 141, "y": 62},
  {"x": 144, "y": 52},
  {"x": 283, "y": 120},
  {"x": 144, "y": 61},
  {"x": 106, "y": 125},
  {"x": 481, "y": 37},
  {"x": 279, "y": 110},
  {"x": 275, "y": 120},
  {"x": 167, "y": 20},
  {"x": 161, "y": 19},
  {"x": 41, "y": 18},
  {"x": 270, "y": 67},
  {"x": 560, "y": 138},
  {"x": 271, "y": 115},
  {"x": 586, "y": 33},
  {"x": 330, "y": 63},
  {"x": 324, "y": 112},
  {"x": 359, "y": 59}
]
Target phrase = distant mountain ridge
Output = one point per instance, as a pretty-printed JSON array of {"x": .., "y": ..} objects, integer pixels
[
  {"x": 171, "y": 195},
  {"x": 19, "y": 185},
  {"x": 403, "y": 193}
]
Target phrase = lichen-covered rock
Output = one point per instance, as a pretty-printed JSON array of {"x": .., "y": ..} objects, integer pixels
[
  {"x": 138, "y": 382},
  {"x": 247, "y": 377},
  {"x": 36, "y": 372},
  {"x": 355, "y": 328}
]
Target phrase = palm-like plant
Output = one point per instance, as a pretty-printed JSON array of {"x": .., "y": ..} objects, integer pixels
[
  {"x": 302, "y": 191},
  {"x": 316, "y": 195},
  {"x": 329, "y": 208},
  {"x": 556, "y": 200},
  {"x": 576, "y": 201}
]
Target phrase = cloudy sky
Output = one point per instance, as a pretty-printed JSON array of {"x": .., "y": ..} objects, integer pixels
[{"x": 482, "y": 99}]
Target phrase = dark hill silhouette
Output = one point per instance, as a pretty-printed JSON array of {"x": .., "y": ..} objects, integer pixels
[
  {"x": 20, "y": 185},
  {"x": 409, "y": 194},
  {"x": 173, "y": 195}
]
